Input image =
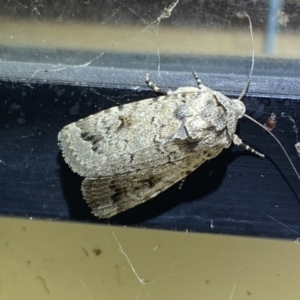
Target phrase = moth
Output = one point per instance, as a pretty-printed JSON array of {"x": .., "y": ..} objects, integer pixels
[{"x": 131, "y": 153}]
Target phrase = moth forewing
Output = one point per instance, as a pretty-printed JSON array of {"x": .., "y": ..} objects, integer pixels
[{"x": 108, "y": 196}]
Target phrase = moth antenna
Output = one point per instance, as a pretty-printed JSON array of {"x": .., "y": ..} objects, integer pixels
[
  {"x": 252, "y": 64},
  {"x": 276, "y": 139}
]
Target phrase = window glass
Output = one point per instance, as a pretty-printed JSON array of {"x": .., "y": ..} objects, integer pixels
[{"x": 160, "y": 35}]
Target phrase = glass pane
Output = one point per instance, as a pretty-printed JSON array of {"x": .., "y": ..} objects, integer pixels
[{"x": 159, "y": 35}]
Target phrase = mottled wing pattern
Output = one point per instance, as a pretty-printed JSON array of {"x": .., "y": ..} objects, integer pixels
[
  {"x": 108, "y": 196},
  {"x": 119, "y": 139},
  {"x": 137, "y": 135},
  {"x": 131, "y": 153}
]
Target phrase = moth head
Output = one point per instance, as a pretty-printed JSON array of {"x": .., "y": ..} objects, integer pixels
[{"x": 239, "y": 108}]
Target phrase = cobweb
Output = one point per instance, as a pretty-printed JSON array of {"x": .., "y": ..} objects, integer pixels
[{"x": 107, "y": 34}]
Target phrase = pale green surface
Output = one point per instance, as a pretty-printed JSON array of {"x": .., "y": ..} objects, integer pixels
[{"x": 55, "y": 260}]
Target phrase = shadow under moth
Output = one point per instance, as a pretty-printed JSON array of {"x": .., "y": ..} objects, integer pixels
[{"x": 129, "y": 154}]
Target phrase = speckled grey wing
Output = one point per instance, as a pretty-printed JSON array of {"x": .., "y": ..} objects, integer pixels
[
  {"x": 131, "y": 153},
  {"x": 123, "y": 139},
  {"x": 145, "y": 134},
  {"x": 108, "y": 196}
]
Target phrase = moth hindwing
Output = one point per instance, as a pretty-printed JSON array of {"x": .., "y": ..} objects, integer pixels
[{"x": 130, "y": 155}]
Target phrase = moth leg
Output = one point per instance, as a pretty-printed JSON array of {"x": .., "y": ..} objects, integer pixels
[
  {"x": 181, "y": 182},
  {"x": 237, "y": 141},
  {"x": 153, "y": 86},
  {"x": 198, "y": 80}
]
